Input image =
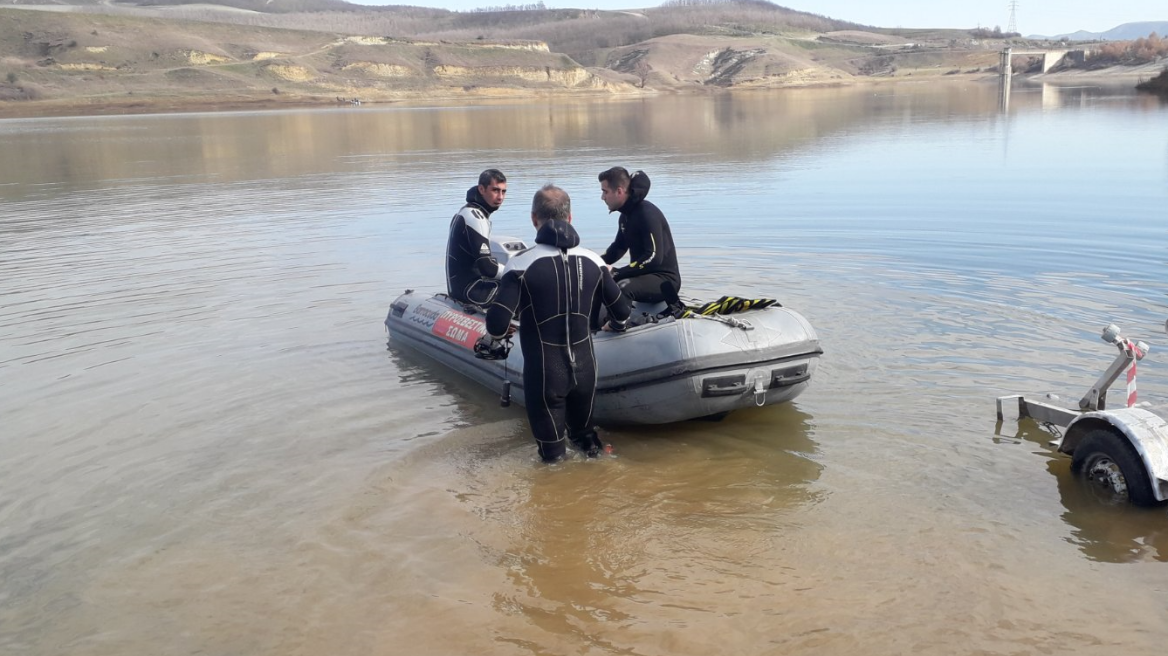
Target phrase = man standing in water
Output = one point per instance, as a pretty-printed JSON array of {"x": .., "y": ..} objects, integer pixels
[
  {"x": 556, "y": 286},
  {"x": 652, "y": 274},
  {"x": 471, "y": 270}
]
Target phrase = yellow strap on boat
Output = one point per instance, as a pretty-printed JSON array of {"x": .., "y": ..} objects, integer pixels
[{"x": 733, "y": 305}]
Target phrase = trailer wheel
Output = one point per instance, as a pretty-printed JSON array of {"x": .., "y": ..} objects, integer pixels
[{"x": 1109, "y": 463}]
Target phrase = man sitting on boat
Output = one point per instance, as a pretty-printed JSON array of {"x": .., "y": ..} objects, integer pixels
[
  {"x": 471, "y": 270},
  {"x": 556, "y": 286},
  {"x": 652, "y": 274}
]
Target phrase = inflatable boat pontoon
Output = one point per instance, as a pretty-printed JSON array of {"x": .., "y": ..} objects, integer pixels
[{"x": 656, "y": 373}]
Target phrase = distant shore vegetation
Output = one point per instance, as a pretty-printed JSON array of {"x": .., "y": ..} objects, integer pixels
[
  {"x": 1158, "y": 84},
  {"x": 1143, "y": 50}
]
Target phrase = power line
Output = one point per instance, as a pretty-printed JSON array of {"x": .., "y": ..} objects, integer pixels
[{"x": 1013, "y": 26}]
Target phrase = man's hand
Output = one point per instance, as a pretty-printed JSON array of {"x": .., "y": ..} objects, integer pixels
[{"x": 489, "y": 348}]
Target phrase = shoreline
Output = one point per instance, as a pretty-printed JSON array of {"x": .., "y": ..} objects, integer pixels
[{"x": 145, "y": 104}]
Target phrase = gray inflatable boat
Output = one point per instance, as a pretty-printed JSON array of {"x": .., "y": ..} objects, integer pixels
[{"x": 656, "y": 373}]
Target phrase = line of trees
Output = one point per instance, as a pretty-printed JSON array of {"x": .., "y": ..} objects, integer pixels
[
  {"x": 539, "y": 6},
  {"x": 996, "y": 33},
  {"x": 1143, "y": 50}
]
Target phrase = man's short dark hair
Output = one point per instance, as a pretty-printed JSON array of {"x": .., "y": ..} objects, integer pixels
[
  {"x": 617, "y": 176},
  {"x": 551, "y": 202},
  {"x": 491, "y": 176}
]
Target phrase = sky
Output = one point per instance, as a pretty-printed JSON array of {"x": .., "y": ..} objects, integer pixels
[{"x": 1043, "y": 17}]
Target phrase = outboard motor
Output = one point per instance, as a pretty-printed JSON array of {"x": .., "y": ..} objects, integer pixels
[{"x": 503, "y": 247}]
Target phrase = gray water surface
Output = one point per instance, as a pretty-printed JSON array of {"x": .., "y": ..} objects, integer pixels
[{"x": 207, "y": 448}]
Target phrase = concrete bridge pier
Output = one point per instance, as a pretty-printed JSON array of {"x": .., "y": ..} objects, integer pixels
[{"x": 1005, "y": 74}]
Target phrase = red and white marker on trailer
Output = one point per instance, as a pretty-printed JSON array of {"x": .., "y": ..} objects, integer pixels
[{"x": 1139, "y": 353}]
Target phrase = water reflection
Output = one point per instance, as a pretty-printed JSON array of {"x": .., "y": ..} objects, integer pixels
[
  {"x": 1048, "y": 96},
  {"x": 472, "y": 402},
  {"x": 51, "y": 157},
  {"x": 684, "y": 514},
  {"x": 1103, "y": 531}
]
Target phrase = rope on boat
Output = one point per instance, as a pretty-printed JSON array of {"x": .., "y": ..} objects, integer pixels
[{"x": 729, "y": 321}]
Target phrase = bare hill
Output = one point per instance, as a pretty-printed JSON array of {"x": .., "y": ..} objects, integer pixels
[
  {"x": 216, "y": 53},
  {"x": 123, "y": 61}
]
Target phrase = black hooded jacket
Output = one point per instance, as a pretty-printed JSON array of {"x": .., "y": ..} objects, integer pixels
[
  {"x": 554, "y": 287},
  {"x": 468, "y": 248},
  {"x": 644, "y": 234}
]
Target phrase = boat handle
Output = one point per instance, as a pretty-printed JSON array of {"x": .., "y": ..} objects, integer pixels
[
  {"x": 724, "y": 386},
  {"x": 789, "y": 376},
  {"x": 780, "y": 381}
]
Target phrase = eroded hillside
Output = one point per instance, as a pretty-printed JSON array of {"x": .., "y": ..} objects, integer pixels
[
  {"x": 128, "y": 57},
  {"x": 125, "y": 60}
]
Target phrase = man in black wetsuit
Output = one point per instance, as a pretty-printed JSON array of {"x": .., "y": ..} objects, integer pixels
[
  {"x": 555, "y": 286},
  {"x": 651, "y": 275},
  {"x": 471, "y": 270}
]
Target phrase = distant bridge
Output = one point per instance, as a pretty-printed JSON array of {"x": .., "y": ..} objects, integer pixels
[{"x": 1050, "y": 58}]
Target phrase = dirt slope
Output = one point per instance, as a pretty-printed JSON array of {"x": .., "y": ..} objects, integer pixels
[{"x": 128, "y": 61}]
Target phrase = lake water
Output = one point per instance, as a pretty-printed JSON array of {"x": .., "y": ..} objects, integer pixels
[{"x": 206, "y": 447}]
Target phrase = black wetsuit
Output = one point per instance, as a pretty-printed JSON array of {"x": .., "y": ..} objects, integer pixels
[
  {"x": 652, "y": 275},
  {"x": 470, "y": 268},
  {"x": 555, "y": 286}
]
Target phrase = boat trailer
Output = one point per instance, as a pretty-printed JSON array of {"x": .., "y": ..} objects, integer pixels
[{"x": 1123, "y": 452}]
